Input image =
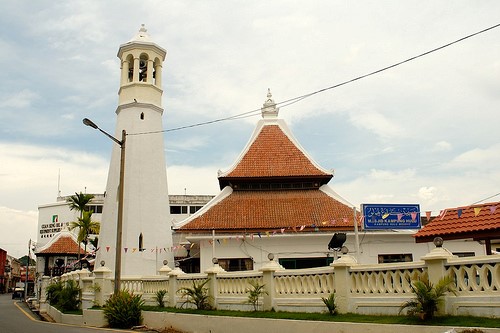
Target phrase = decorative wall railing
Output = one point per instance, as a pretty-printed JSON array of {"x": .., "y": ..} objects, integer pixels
[
  {"x": 385, "y": 279},
  {"x": 373, "y": 289}
]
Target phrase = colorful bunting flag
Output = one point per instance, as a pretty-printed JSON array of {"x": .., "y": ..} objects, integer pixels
[
  {"x": 477, "y": 210},
  {"x": 492, "y": 209},
  {"x": 107, "y": 248},
  {"x": 459, "y": 212},
  {"x": 428, "y": 215},
  {"x": 399, "y": 216},
  {"x": 413, "y": 216},
  {"x": 386, "y": 215}
]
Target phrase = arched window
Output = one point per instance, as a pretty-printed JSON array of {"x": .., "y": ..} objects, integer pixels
[
  {"x": 142, "y": 115},
  {"x": 130, "y": 60},
  {"x": 141, "y": 242},
  {"x": 143, "y": 68}
]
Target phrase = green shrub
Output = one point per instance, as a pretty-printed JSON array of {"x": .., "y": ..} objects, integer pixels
[
  {"x": 197, "y": 295},
  {"x": 53, "y": 292},
  {"x": 330, "y": 303},
  {"x": 159, "y": 297},
  {"x": 70, "y": 297},
  {"x": 123, "y": 310},
  {"x": 65, "y": 296},
  {"x": 427, "y": 296},
  {"x": 254, "y": 293}
]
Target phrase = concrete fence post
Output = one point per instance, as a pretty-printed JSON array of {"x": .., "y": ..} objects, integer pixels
[
  {"x": 268, "y": 271},
  {"x": 103, "y": 286},
  {"x": 341, "y": 269},
  {"x": 172, "y": 286},
  {"x": 213, "y": 291},
  {"x": 46, "y": 280},
  {"x": 436, "y": 261}
]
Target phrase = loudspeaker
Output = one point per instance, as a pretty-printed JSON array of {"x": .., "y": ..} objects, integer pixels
[{"x": 337, "y": 241}]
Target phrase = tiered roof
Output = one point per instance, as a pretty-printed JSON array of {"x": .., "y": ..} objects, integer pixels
[{"x": 273, "y": 185}]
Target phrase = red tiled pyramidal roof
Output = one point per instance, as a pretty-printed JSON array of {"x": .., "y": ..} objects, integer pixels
[
  {"x": 477, "y": 222},
  {"x": 273, "y": 154},
  {"x": 271, "y": 210},
  {"x": 64, "y": 244}
]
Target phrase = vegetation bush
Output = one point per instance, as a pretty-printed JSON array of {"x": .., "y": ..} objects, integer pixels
[
  {"x": 123, "y": 310},
  {"x": 427, "y": 296},
  {"x": 197, "y": 295},
  {"x": 255, "y": 293},
  {"x": 159, "y": 297},
  {"x": 53, "y": 292},
  {"x": 330, "y": 303},
  {"x": 65, "y": 296}
]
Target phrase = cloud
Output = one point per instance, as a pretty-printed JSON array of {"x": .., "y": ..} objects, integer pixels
[
  {"x": 191, "y": 143},
  {"x": 485, "y": 159},
  {"x": 19, "y": 100},
  {"x": 37, "y": 168},
  {"x": 442, "y": 146},
  {"x": 377, "y": 123},
  {"x": 192, "y": 180},
  {"x": 19, "y": 227}
]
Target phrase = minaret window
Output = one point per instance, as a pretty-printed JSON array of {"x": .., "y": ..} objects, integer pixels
[
  {"x": 142, "y": 115},
  {"x": 141, "y": 242},
  {"x": 143, "y": 68},
  {"x": 130, "y": 61}
]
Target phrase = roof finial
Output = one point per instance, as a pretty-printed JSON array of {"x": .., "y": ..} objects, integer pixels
[
  {"x": 269, "y": 109},
  {"x": 142, "y": 34}
]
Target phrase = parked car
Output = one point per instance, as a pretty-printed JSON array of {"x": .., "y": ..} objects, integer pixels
[{"x": 18, "y": 293}]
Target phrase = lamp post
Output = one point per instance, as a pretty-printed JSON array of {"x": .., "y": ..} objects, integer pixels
[{"x": 119, "y": 223}]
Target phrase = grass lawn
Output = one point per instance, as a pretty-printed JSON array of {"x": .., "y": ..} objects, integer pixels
[{"x": 463, "y": 321}]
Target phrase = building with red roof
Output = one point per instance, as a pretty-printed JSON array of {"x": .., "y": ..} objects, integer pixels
[
  {"x": 59, "y": 254},
  {"x": 479, "y": 222},
  {"x": 276, "y": 199}
]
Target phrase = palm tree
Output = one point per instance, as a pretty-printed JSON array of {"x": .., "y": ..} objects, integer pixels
[
  {"x": 85, "y": 227},
  {"x": 427, "y": 296},
  {"x": 79, "y": 202}
]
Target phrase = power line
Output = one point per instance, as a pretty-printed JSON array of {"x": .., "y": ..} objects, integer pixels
[
  {"x": 297, "y": 99},
  {"x": 491, "y": 196}
]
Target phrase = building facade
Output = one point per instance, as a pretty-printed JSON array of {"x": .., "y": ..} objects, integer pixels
[{"x": 276, "y": 201}]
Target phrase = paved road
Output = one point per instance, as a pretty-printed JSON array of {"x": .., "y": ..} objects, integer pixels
[{"x": 15, "y": 317}]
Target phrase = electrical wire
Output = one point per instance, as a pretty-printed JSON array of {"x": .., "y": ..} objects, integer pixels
[
  {"x": 491, "y": 196},
  {"x": 297, "y": 99}
]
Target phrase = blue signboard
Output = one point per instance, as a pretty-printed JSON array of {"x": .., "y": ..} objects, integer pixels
[{"x": 391, "y": 216}]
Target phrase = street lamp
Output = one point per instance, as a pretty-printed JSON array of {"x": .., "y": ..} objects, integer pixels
[{"x": 119, "y": 223}]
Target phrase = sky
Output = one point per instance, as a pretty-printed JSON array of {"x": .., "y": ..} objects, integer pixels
[{"x": 423, "y": 132}]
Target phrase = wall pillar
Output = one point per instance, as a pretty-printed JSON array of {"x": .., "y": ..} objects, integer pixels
[
  {"x": 341, "y": 269},
  {"x": 172, "y": 286},
  {"x": 268, "y": 280},
  {"x": 436, "y": 269},
  {"x": 103, "y": 287},
  {"x": 213, "y": 291}
]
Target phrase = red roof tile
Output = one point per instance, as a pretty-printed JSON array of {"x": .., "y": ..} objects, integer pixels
[
  {"x": 65, "y": 244},
  {"x": 273, "y": 154},
  {"x": 477, "y": 221},
  {"x": 271, "y": 210}
]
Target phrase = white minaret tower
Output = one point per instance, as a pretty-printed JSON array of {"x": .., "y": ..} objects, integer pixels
[{"x": 146, "y": 224}]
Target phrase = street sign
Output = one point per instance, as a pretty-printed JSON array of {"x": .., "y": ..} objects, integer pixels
[{"x": 391, "y": 216}]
